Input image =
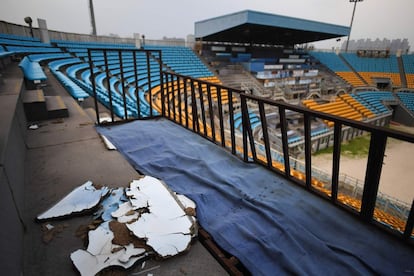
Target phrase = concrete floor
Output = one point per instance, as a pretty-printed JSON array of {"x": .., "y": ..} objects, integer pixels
[{"x": 61, "y": 155}]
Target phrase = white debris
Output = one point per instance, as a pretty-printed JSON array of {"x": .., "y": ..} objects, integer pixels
[
  {"x": 111, "y": 204},
  {"x": 102, "y": 253},
  {"x": 125, "y": 213},
  {"x": 107, "y": 143},
  {"x": 49, "y": 226},
  {"x": 166, "y": 227},
  {"x": 80, "y": 199},
  {"x": 33, "y": 127},
  {"x": 148, "y": 209},
  {"x": 186, "y": 202}
]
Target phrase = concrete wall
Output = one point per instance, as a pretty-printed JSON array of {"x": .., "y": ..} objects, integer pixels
[
  {"x": 10, "y": 28},
  {"x": 403, "y": 116},
  {"x": 12, "y": 176}
]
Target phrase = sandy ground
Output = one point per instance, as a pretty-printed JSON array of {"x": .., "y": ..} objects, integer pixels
[{"x": 397, "y": 177}]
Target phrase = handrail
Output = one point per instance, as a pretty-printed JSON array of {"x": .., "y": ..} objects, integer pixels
[
  {"x": 125, "y": 109},
  {"x": 208, "y": 109},
  {"x": 299, "y": 172}
]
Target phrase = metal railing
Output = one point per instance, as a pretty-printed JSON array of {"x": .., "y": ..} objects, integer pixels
[
  {"x": 136, "y": 71},
  {"x": 189, "y": 99},
  {"x": 222, "y": 115}
]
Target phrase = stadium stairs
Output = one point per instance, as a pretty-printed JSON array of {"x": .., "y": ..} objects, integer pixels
[{"x": 354, "y": 78}]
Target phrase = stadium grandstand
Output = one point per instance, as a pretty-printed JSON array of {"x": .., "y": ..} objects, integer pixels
[{"x": 231, "y": 121}]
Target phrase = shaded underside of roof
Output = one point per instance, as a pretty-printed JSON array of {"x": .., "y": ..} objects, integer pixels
[{"x": 263, "y": 28}]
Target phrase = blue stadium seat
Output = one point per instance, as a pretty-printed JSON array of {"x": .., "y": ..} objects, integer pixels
[
  {"x": 74, "y": 90},
  {"x": 332, "y": 61},
  {"x": 32, "y": 70},
  {"x": 43, "y": 57}
]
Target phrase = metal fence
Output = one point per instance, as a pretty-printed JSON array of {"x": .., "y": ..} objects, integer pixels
[{"x": 222, "y": 115}]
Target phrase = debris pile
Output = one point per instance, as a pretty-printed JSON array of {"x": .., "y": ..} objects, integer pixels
[{"x": 142, "y": 221}]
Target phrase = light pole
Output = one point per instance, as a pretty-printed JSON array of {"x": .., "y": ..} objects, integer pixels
[
  {"x": 29, "y": 21},
  {"x": 92, "y": 18},
  {"x": 352, "y": 21}
]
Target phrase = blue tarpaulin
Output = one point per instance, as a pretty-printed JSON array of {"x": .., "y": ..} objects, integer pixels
[{"x": 271, "y": 225}]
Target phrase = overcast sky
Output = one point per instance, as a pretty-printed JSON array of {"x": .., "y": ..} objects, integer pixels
[{"x": 158, "y": 18}]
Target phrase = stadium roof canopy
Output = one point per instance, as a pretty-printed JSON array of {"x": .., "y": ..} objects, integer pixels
[{"x": 264, "y": 28}]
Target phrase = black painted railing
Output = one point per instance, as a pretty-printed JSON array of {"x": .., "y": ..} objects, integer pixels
[{"x": 223, "y": 116}]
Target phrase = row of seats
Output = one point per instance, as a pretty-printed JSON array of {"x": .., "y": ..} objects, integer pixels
[
  {"x": 370, "y": 76},
  {"x": 29, "y": 49},
  {"x": 57, "y": 64},
  {"x": 332, "y": 61},
  {"x": 85, "y": 45},
  {"x": 351, "y": 78},
  {"x": 4, "y": 53},
  {"x": 48, "y": 56},
  {"x": 338, "y": 107},
  {"x": 71, "y": 67},
  {"x": 74, "y": 90},
  {"x": 19, "y": 37},
  {"x": 13, "y": 42},
  {"x": 254, "y": 121},
  {"x": 32, "y": 70},
  {"x": 364, "y": 64},
  {"x": 367, "y": 68},
  {"x": 182, "y": 60},
  {"x": 337, "y": 65},
  {"x": 361, "y": 106},
  {"x": 374, "y": 100},
  {"x": 407, "y": 99},
  {"x": 408, "y": 61}
]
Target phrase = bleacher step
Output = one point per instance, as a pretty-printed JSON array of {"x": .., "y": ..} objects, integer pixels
[
  {"x": 56, "y": 108},
  {"x": 34, "y": 103}
]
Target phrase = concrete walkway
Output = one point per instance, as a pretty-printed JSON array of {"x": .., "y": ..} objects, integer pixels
[{"x": 61, "y": 155}]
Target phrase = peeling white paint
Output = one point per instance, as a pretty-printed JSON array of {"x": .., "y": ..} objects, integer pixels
[
  {"x": 111, "y": 204},
  {"x": 89, "y": 265},
  {"x": 167, "y": 229},
  {"x": 102, "y": 253},
  {"x": 185, "y": 201},
  {"x": 125, "y": 213},
  {"x": 148, "y": 208},
  {"x": 80, "y": 199},
  {"x": 107, "y": 143}
]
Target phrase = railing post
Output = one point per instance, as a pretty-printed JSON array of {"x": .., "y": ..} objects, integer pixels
[
  {"x": 247, "y": 130},
  {"x": 373, "y": 174},
  {"x": 174, "y": 80},
  {"x": 244, "y": 126},
  {"x": 265, "y": 134},
  {"x": 180, "y": 115},
  {"x": 285, "y": 145},
  {"x": 211, "y": 113},
  {"x": 121, "y": 67},
  {"x": 231, "y": 115},
  {"x": 169, "y": 85},
  {"x": 162, "y": 85},
  {"x": 194, "y": 111},
  {"x": 136, "y": 84},
  {"x": 335, "y": 161},
  {"x": 410, "y": 223},
  {"x": 202, "y": 109},
  {"x": 108, "y": 86},
  {"x": 95, "y": 96},
  {"x": 149, "y": 82},
  {"x": 185, "y": 81},
  {"x": 308, "y": 150},
  {"x": 220, "y": 111}
]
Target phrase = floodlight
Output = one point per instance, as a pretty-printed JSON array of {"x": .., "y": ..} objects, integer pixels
[
  {"x": 29, "y": 21},
  {"x": 352, "y": 21}
]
